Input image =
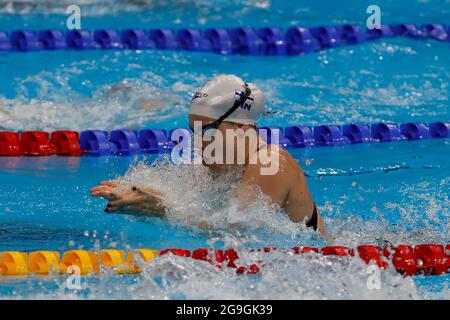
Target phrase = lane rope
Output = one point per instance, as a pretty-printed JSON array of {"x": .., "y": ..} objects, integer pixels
[
  {"x": 420, "y": 259},
  {"x": 244, "y": 41},
  {"x": 153, "y": 141}
]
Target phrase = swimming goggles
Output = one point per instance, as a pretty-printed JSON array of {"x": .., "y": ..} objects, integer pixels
[{"x": 237, "y": 104}]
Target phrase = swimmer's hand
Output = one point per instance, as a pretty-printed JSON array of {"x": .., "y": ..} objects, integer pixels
[
  {"x": 105, "y": 190},
  {"x": 145, "y": 201}
]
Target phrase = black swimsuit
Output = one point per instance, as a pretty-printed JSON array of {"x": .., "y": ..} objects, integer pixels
[{"x": 313, "y": 221}]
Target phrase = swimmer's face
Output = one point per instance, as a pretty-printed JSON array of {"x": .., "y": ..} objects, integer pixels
[{"x": 211, "y": 135}]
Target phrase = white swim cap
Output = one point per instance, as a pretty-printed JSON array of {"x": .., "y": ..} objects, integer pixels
[{"x": 218, "y": 96}]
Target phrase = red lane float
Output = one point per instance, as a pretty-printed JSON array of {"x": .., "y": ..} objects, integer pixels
[
  {"x": 370, "y": 254},
  {"x": 10, "y": 144},
  {"x": 177, "y": 252},
  {"x": 403, "y": 258},
  {"x": 425, "y": 259},
  {"x": 431, "y": 258},
  {"x": 36, "y": 143},
  {"x": 66, "y": 143},
  {"x": 215, "y": 257},
  {"x": 298, "y": 250},
  {"x": 40, "y": 143},
  {"x": 337, "y": 251}
]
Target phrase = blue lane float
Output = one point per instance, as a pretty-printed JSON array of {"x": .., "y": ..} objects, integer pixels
[
  {"x": 328, "y": 135},
  {"x": 244, "y": 40},
  {"x": 219, "y": 40},
  {"x": 328, "y": 36},
  {"x": 269, "y": 131},
  {"x": 95, "y": 143},
  {"x": 415, "y": 131},
  {"x": 108, "y": 39},
  {"x": 5, "y": 44},
  {"x": 165, "y": 39},
  {"x": 300, "y": 136},
  {"x": 440, "y": 129},
  {"x": 53, "y": 39},
  {"x": 357, "y": 133},
  {"x": 436, "y": 31},
  {"x": 81, "y": 40},
  {"x": 124, "y": 142},
  {"x": 155, "y": 141},
  {"x": 25, "y": 40},
  {"x": 386, "y": 132},
  {"x": 300, "y": 40},
  {"x": 136, "y": 40},
  {"x": 351, "y": 34}
]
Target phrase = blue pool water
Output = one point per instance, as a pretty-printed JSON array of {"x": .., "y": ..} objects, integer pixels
[{"x": 368, "y": 194}]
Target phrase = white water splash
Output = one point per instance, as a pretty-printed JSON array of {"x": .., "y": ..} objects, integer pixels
[
  {"x": 104, "y": 7},
  {"x": 284, "y": 276},
  {"x": 196, "y": 198},
  {"x": 53, "y": 105}
]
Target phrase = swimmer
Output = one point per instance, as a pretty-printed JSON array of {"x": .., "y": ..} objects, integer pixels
[
  {"x": 123, "y": 91},
  {"x": 226, "y": 103}
]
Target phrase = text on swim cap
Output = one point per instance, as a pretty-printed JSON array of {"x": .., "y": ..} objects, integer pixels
[
  {"x": 245, "y": 105},
  {"x": 198, "y": 95}
]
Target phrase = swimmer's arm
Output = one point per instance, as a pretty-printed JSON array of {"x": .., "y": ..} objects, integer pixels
[{"x": 275, "y": 186}]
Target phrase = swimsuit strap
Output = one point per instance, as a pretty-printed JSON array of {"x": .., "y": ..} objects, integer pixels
[{"x": 314, "y": 219}]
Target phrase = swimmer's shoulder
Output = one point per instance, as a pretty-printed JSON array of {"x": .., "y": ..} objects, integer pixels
[
  {"x": 290, "y": 170},
  {"x": 273, "y": 155},
  {"x": 284, "y": 156}
]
